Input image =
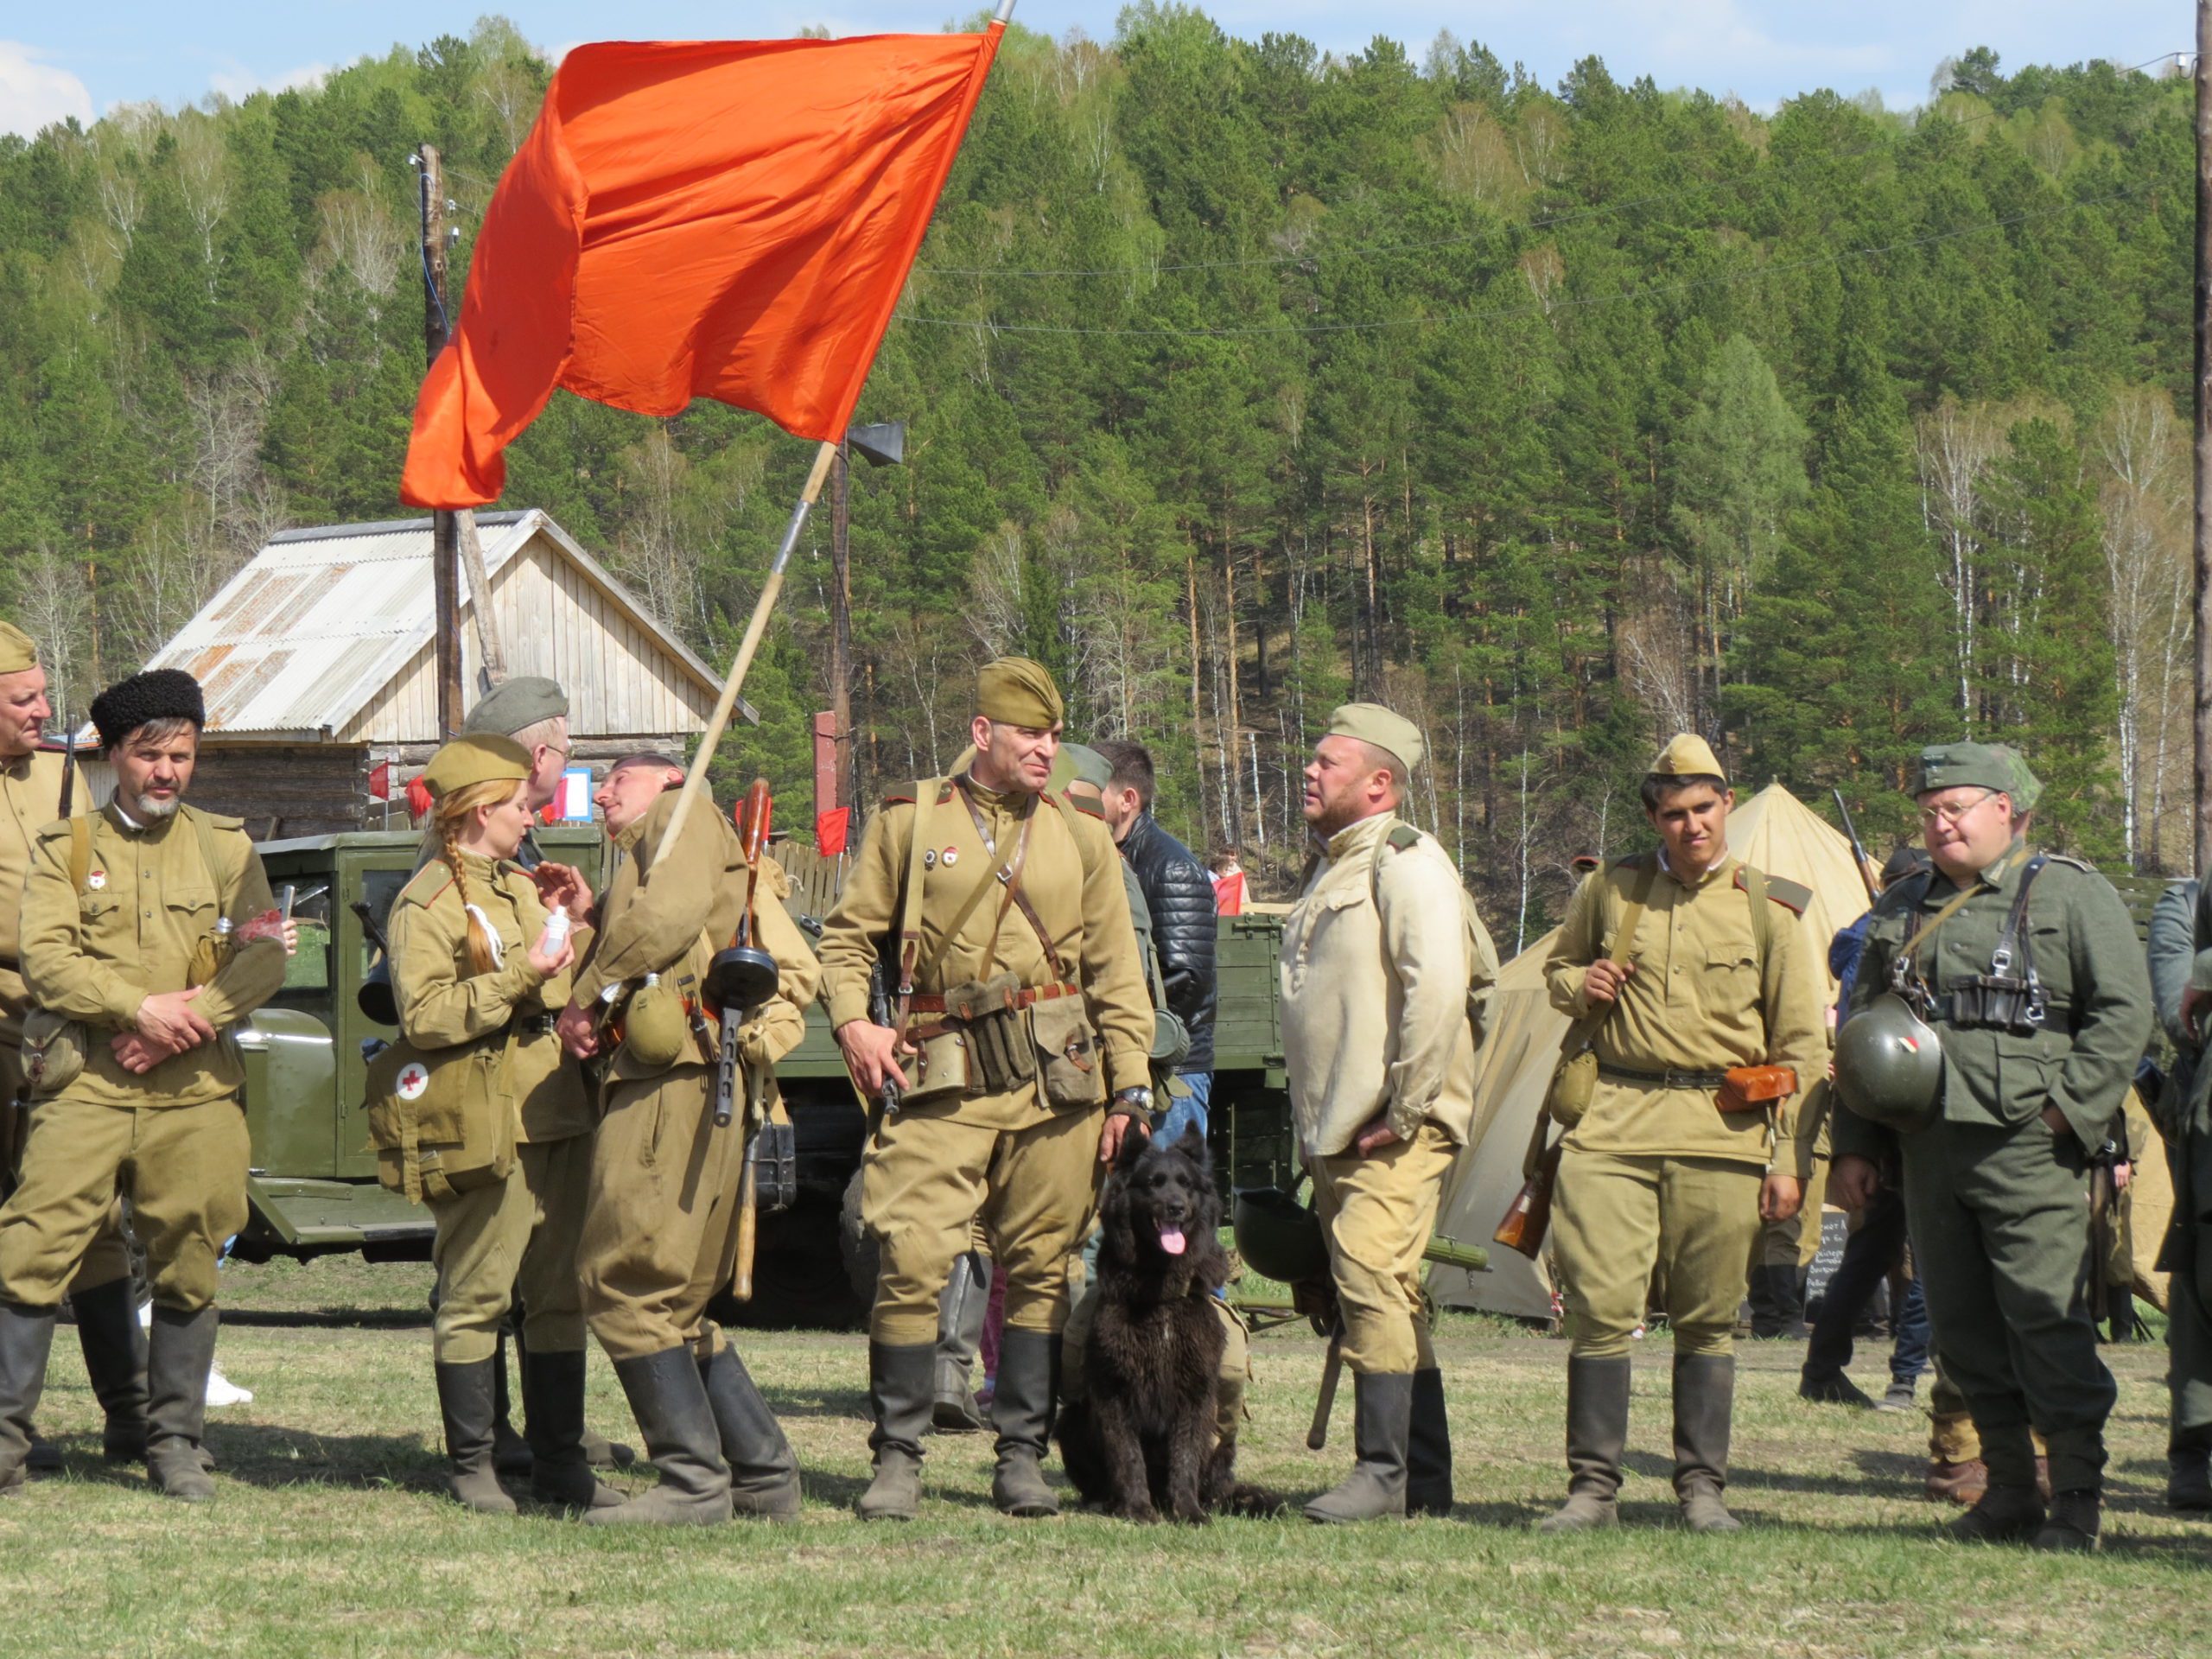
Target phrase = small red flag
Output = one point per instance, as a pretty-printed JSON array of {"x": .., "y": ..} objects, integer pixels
[
  {"x": 380, "y": 781},
  {"x": 731, "y": 219},
  {"x": 418, "y": 799},
  {"x": 830, "y": 829}
]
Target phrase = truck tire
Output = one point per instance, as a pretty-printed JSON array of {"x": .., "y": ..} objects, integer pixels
[{"x": 857, "y": 1245}]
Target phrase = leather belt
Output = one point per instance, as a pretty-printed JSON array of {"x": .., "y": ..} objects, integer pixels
[
  {"x": 537, "y": 1024},
  {"x": 1940, "y": 1013},
  {"x": 1668, "y": 1079},
  {"x": 920, "y": 1003}
]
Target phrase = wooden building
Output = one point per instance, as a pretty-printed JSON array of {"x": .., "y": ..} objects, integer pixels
[{"x": 317, "y": 664}]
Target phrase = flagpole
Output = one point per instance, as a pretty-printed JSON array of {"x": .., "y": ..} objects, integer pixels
[{"x": 695, "y": 779}]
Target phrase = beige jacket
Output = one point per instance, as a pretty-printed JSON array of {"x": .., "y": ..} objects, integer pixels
[
  {"x": 30, "y": 798},
  {"x": 1375, "y": 1001}
]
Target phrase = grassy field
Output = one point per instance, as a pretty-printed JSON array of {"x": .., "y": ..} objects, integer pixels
[{"x": 328, "y": 1536}]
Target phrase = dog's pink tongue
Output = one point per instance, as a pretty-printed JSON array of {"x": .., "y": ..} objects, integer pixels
[{"x": 1171, "y": 1240}]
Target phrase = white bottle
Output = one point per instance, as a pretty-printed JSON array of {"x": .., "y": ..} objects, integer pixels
[{"x": 556, "y": 934}]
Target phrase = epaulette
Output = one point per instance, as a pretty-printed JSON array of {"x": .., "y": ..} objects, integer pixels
[
  {"x": 427, "y": 882},
  {"x": 1792, "y": 896},
  {"x": 907, "y": 799},
  {"x": 1629, "y": 861},
  {"x": 2082, "y": 865},
  {"x": 1089, "y": 808},
  {"x": 1403, "y": 838},
  {"x": 219, "y": 821}
]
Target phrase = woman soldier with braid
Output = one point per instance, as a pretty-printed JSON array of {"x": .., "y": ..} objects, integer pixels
[{"x": 479, "y": 975}]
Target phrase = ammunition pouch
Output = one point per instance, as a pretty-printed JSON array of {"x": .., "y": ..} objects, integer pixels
[
  {"x": 1992, "y": 1002},
  {"x": 1754, "y": 1088},
  {"x": 442, "y": 1121},
  {"x": 1074, "y": 1075},
  {"x": 775, "y": 1167},
  {"x": 54, "y": 1052},
  {"x": 942, "y": 1067}
]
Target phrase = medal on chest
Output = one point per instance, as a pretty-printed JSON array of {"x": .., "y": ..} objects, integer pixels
[
  {"x": 96, "y": 881},
  {"x": 950, "y": 857}
]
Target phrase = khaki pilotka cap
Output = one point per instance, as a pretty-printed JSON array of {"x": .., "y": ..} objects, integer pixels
[
  {"x": 1371, "y": 723},
  {"x": 18, "y": 650},
  {"x": 1688, "y": 755},
  {"x": 1086, "y": 765},
  {"x": 1976, "y": 766},
  {"x": 482, "y": 758},
  {"x": 516, "y": 705},
  {"x": 1014, "y": 691}
]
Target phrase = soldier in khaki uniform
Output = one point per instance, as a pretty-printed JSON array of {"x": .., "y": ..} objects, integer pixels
[
  {"x": 1716, "y": 975},
  {"x": 1020, "y": 1005},
  {"x": 150, "y": 927},
  {"x": 661, "y": 1214},
  {"x": 31, "y": 791},
  {"x": 472, "y": 975},
  {"x": 1379, "y": 956}
]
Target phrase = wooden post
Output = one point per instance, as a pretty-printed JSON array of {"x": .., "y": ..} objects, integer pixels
[
  {"x": 841, "y": 613},
  {"x": 445, "y": 527}
]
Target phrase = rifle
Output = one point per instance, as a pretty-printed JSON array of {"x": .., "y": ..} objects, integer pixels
[
  {"x": 1857, "y": 852},
  {"x": 68, "y": 774},
  {"x": 743, "y": 977},
  {"x": 1333, "y": 1370},
  {"x": 1529, "y": 1215},
  {"x": 2104, "y": 1197},
  {"x": 883, "y": 1010}
]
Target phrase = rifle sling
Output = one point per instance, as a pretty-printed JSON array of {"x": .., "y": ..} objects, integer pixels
[{"x": 1581, "y": 1033}]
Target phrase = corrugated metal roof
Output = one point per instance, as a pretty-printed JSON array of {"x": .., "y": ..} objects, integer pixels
[{"x": 321, "y": 621}]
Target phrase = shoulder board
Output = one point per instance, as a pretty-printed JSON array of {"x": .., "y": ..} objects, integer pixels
[
  {"x": 1792, "y": 896},
  {"x": 216, "y": 820},
  {"x": 906, "y": 799},
  {"x": 57, "y": 830},
  {"x": 1090, "y": 809},
  {"x": 2082, "y": 865},
  {"x": 427, "y": 882},
  {"x": 1625, "y": 865},
  {"x": 1403, "y": 836}
]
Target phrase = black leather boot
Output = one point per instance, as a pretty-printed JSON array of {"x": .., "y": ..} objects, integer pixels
[
  {"x": 899, "y": 1396},
  {"x": 465, "y": 1397},
  {"x": 26, "y": 1339},
  {"x": 1705, "y": 1404},
  {"x": 553, "y": 1416},
  {"x": 673, "y": 1414},
  {"x": 1597, "y": 1438},
  {"x": 115, "y": 1361},
  {"x": 763, "y": 1470},
  {"x": 510, "y": 1450},
  {"x": 1021, "y": 1411},
  {"x": 1428, "y": 1448},
  {"x": 179, "y": 1351},
  {"x": 2189, "y": 1471},
  {"x": 1382, "y": 1409},
  {"x": 2075, "y": 1521}
]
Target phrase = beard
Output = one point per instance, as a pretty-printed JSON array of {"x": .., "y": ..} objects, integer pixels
[{"x": 150, "y": 809}]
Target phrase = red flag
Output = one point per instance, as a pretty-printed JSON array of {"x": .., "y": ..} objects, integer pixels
[
  {"x": 730, "y": 219},
  {"x": 830, "y": 829},
  {"x": 380, "y": 781}
]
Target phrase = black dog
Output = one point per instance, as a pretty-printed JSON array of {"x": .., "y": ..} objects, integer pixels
[{"x": 1141, "y": 1441}]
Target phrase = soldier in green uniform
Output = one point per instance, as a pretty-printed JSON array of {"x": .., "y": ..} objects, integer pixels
[
  {"x": 32, "y": 788},
  {"x": 997, "y": 913},
  {"x": 475, "y": 976},
  {"x": 1699, "y": 966},
  {"x": 2181, "y": 973},
  {"x": 149, "y": 928},
  {"x": 2025, "y": 967},
  {"x": 660, "y": 1229}
]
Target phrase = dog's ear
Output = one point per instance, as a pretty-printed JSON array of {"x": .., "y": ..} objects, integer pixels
[
  {"x": 1192, "y": 1145},
  {"x": 1135, "y": 1141}
]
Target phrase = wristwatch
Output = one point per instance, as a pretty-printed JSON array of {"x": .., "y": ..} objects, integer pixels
[{"x": 1137, "y": 1101}]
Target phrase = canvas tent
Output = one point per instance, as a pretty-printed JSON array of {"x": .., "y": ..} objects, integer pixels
[{"x": 1774, "y": 830}]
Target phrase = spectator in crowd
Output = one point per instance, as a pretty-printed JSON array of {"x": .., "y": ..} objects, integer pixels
[{"x": 1181, "y": 896}]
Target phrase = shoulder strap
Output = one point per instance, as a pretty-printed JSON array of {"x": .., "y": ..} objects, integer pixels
[
  {"x": 204, "y": 832},
  {"x": 80, "y": 852},
  {"x": 1762, "y": 923},
  {"x": 909, "y": 900},
  {"x": 1580, "y": 1034}
]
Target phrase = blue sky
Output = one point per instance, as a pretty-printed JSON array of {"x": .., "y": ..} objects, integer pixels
[{"x": 86, "y": 58}]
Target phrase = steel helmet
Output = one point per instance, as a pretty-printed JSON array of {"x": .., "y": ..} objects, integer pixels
[
  {"x": 1889, "y": 1065},
  {"x": 1279, "y": 1236}
]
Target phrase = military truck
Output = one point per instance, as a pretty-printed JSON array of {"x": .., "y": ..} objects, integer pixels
[{"x": 314, "y": 1190}]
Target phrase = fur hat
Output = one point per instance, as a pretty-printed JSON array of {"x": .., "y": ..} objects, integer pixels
[{"x": 158, "y": 694}]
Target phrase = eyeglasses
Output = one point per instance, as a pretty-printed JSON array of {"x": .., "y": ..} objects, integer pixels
[{"x": 1952, "y": 811}]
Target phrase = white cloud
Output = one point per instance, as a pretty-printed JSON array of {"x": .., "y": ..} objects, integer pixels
[
  {"x": 34, "y": 94},
  {"x": 237, "y": 83}
]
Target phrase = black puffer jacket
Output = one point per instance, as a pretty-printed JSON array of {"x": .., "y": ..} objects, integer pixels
[{"x": 1180, "y": 894}]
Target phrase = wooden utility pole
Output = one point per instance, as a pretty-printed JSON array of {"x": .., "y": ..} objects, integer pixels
[
  {"x": 840, "y": 617},
  {"x": 445, "y": 533},
  {"x": 2203, "y": 469}
]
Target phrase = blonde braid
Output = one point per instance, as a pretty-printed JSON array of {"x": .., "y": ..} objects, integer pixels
[{"x": 451, "y": 814}]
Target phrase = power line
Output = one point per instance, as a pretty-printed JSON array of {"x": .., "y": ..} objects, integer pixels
[{"x": 1728, "y": 279}]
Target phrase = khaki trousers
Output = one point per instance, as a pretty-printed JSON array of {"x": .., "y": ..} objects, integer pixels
[
  {"x": 108, "y": 1258},
  {"x": 1616, "y": 1217},
  {"x": 660, "y": 1216},
  {"x": 927, "y": 1182},
  {"x": 1378, "y": 1213},
  {"x": 182, "y": 1168},
  {"x": 518, "y": 1234},
  {"x": 1236, "y": 1361}
]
